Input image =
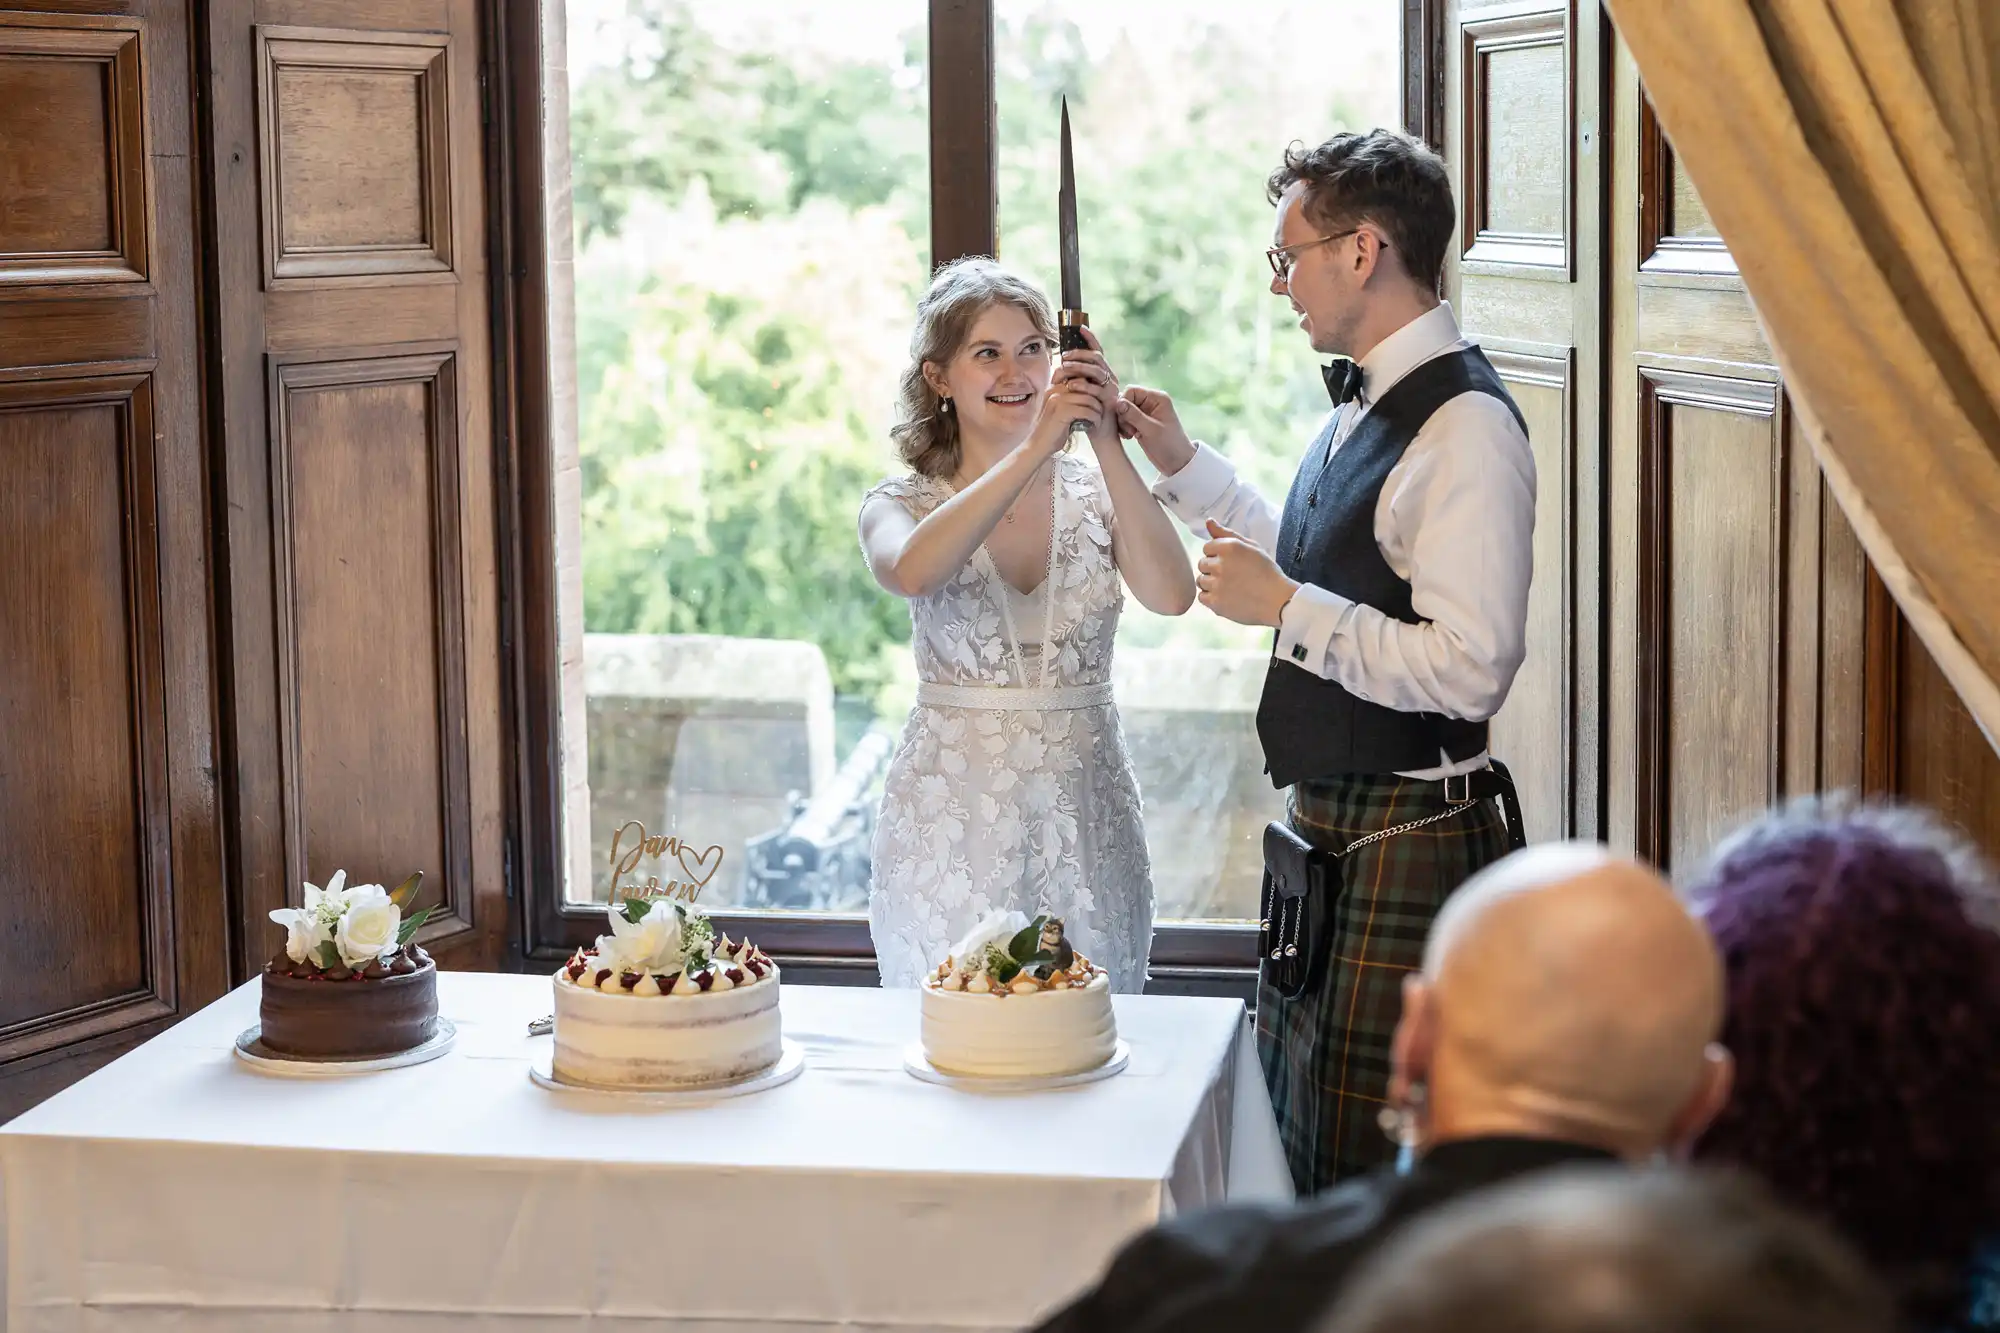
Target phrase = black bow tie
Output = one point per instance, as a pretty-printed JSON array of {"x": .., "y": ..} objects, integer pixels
[{"x": 1343, "y": 381}]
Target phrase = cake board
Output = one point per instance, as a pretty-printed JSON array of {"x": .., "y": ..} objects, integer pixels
[
  {"x": 790, "y": 1064},
  {"x": 919, "y": 1067},
  {"x": 250, "y": 1049}
]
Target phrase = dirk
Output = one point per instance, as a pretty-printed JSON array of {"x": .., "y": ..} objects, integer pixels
[{"x": 1071, "y": 318}]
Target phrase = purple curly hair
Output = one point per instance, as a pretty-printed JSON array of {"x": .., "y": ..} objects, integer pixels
[{"x": 1862, "y": 947}]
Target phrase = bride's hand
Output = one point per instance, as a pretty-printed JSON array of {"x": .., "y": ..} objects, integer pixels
[
  {"x": 1065, "y": 402},
  {"x": 1087, "y": 369}
]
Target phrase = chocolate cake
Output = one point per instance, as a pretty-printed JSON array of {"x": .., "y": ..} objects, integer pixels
[{"x": 387, "y": 1006}]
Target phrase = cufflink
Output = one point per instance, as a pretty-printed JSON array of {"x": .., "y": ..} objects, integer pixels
[{"x": 1298, "y": 652}]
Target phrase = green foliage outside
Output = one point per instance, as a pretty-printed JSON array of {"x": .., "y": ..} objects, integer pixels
[{"x": 752, "y": 233}]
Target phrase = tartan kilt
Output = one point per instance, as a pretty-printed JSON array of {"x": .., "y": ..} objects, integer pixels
[{"x": 1326, "y": 1054}]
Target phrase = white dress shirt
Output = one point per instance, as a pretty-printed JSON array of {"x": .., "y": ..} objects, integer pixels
[{"x": 1456, "y": 520}]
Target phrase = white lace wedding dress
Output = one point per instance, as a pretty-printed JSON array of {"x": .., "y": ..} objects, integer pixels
[{"x": 1012, "y": 787}]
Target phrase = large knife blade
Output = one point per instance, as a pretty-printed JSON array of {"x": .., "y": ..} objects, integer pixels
[{"x": 1071, "y": 319}]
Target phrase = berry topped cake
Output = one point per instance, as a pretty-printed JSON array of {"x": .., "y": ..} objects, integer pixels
[
  {"x": 350, "y": 984},
  {"x": 1015, "y": 1000},
  {"x": 663, "y": 1003}
]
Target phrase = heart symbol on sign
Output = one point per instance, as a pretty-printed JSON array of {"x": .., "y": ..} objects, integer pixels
[{"x": 704, "y": 864}]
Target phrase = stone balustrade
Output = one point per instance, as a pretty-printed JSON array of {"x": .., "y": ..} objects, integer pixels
[{"x": 709, "y": 739}]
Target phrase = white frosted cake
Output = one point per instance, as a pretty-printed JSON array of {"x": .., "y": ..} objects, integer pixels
[
  {"x": 660, "y": 1003},
  {"x": 1014, "y": 1000}
]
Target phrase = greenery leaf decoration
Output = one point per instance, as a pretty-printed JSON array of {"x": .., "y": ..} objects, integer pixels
[
  {"x": 635, "y": 909},
  {"x": 1022, "y": 946},
  {"x": 1007, "y": 971},
  {"x": 406, "y": 893},
  {"x": 409, "y": 927},
  {"x": 328, "y": 956}
]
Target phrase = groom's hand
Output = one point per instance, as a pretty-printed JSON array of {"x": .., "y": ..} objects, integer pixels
[
  {"x": 1148, "y": 416},
  {"x": 1239, "y": 581}
]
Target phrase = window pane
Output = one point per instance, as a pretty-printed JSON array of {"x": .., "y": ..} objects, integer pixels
[
  {"x": 1179, "y": 109},
  {"x": 750, "y": 186}
]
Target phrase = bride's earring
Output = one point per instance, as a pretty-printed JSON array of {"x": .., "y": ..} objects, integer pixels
[
  {"x": 944, "y": 404},
  {"x": 1404, "y": 1125}
]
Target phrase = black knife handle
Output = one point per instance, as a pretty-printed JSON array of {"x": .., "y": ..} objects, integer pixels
[
  {"x": 1069, "y": 331},
  {"x": 1069, "y": 338}
]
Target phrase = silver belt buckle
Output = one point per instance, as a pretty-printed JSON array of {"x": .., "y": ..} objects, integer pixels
[{"x": 1464, "y": 781}]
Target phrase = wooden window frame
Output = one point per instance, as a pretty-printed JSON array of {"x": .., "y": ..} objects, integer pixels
[{"x": 964, "y": 220}]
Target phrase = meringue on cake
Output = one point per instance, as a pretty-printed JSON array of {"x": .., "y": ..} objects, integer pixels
[
  {"x": 662, "y": 1004},
  {"x": 1015, "y": 1000}
]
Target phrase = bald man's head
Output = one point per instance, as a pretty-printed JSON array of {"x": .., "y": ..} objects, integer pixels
[{"x": 1566, "y": 992}]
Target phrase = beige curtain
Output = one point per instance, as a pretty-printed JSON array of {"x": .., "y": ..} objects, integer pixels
[{"x": 1849, "y": 153}]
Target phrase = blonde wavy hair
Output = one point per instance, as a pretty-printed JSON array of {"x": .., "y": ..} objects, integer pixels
[{"x": 963, "y": 290}]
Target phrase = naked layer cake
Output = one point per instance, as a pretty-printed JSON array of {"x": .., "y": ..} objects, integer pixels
[{"x": 663, "y": 1003}]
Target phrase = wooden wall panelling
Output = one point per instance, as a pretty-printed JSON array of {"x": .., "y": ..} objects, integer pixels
[
  {"x": 1518, "y": 73},
  {"x": 1423, "y": 59},
  {"x": 1842, "y": 648},
  {"x": 1942, "y": 758},
  {"x": 84, "y": 825},
  {"x": 355, "y": 137},
  {"x": 1522, "y": 108},
  {"x": 370, "y": 618},
  {"x": 1740, "y": 658},
  {"x": 1921, "y": 743},
  {"x": 1536, "y": 733},
  {"x": 353, "y": 382},
  {"x": 112, "y": 916},
  {"x": 1675, "y": 233},
  {"x": 73, "y": 156},
  {"x": 1711, "y": 524}
]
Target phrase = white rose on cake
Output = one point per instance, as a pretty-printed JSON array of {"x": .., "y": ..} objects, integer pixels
[
  {"x": 350, "y": 925},
  {"x": 368, "y": 926},
  {"x": 653, "y": 943}
]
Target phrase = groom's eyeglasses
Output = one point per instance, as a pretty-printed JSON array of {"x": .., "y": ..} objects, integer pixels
[{"x": 1282, "y": 257}]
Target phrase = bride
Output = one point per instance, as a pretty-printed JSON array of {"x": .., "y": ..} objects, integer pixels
[{"x": 1012, "y": 788}]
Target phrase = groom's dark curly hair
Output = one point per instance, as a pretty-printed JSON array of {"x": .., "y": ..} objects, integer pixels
[{"x": 1383, "y": 177}]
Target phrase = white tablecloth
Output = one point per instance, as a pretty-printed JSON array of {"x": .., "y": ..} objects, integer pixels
[{"x": 178, "y": 1188}]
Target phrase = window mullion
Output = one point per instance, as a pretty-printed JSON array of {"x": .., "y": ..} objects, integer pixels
[{"x": 965, "y": 159}]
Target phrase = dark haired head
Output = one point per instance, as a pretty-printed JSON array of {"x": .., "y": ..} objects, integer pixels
[
  {"x": 1864, "y": 1013},
  {"x": 1383, "y": 177},
  {"x": 1610, "y": 1250}
]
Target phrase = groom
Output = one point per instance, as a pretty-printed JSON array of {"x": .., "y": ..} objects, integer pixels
[{"x": 1396, "y": 578}]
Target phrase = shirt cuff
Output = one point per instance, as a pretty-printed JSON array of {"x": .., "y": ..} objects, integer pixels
[
  {"x": 1306, "y": 627},
  {"x": 1192, "y": 494}
]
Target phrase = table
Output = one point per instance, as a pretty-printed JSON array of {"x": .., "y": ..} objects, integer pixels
[{"x": 178, "y": 1188}]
